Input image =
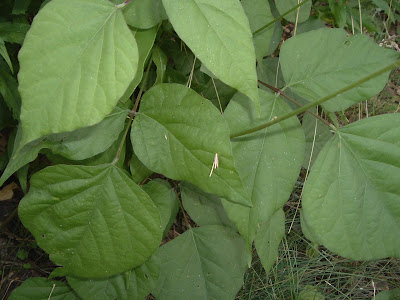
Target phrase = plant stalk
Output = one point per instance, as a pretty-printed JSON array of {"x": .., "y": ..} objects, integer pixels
[
  {"x": 318, "y": 102},
  {"x": 280, "y": 17},
  {"x": 132, "y": 114}
]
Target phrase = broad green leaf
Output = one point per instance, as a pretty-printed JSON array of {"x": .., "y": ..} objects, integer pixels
[
  {"x": 9, "y": 91},
  {"x": 76, "y": 145},
  {"x": 178, "y": 133},
  {"x": 135, "y": 284},
  {"x": 203, "y": 208},
  {"x": 160, "y": 60},
  {"x": 76, "y": 62},
  {"x": 268, "y": 238},
  {"x": 82, "y": 216},
  {"x": 138, "y": 170},
  {"x": 269, "y": 71},
  {"x": 145, "y": 41},
  {"x": 307, "y": 231},
  {"x": 317, "y": 133},
  {"x": 39, "y": 288},
  {"x": 203, "y": 263},
  {"x": 310, "y": 293},
  {"x": 13, "y": 32},
  {"x": 303, "y": 11},
  {"x": 164, "y": 197},
  {"x": 268, "y": 161},
  {"x": 320, "y": 62},
  {"x": 388, "y": 295},
  {"x": 219, "y": 34},
  {"x": 144, "y": 14},
  {"x": 351, "y": 200},
  {"x": 4, "y": 54},
  {"x": 259, "y": 13}
]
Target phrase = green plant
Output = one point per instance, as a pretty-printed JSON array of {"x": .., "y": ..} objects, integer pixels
[{"x": 81, "y": 64}]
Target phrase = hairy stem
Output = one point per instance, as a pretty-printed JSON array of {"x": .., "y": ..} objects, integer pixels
[
  {"x": 280, "y": 17},
  {"x": 318, "y": 102}
]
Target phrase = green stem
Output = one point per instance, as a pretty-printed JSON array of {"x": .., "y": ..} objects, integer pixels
[
  {"x": 132, "y": 115},
  {"x": 318, "y": 102},
  {"x": 280, "y": 17}
]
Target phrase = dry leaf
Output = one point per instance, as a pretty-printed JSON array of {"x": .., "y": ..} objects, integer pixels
[{"x": 8, "y": 191}]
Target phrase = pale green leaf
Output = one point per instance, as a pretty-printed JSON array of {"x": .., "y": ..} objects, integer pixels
[
  {"x": 388, "y": 295},
  {"x": 268, "y": 238},
  {"x": 351, "y": 200},
  {"x": 82, "y": 216},
  {"x": 203, "y": 263},
  {"x": 39, "y": 288},
  {"x": 320, "y": 62},
  {"x": 203, "y": 208},
  {"x": 219, "y": 34},
  {"x": 303, "y": 11},
  {"x": 76, "y": 62},
  {"x": 313, "y": 23},
  {"x": 135, "y": 284},
  {"x": 165, "y": 198},
  {"x": 268, "y": 161},
  {"x": 178, "y": 133},
  {"x": 307, "y": 231},
  {"x": 259, "y": 13},
  {"x": 76, "y": 145},
  {"x": 317, "y": 133}
]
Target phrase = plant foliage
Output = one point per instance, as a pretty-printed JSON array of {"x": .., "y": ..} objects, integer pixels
[{"x": 145, "y": 108}]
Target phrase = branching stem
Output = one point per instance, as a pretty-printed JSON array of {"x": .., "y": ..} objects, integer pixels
[
  {"x": 132, "y": 114},
  {"x": 318, "y": 102},
  {"x": 280, "y": 17},
  {"x": 280, "y": 92}
]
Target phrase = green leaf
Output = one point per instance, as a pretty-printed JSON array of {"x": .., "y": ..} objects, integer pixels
[
  {"x": 320, "y": 62},
  {"x": 218, "y": 33},
  {"x": 80, "y": 144},
  {"x": 351, "y": 201},
  {"x": 161, "y": 60},
  {"x": 310, "y": 293},
  {"x": 313, "y": 23},
  {"x": 164, "y": 197},
  {"x": 135, "y": 284},
  {"x": 178, "y": 133},
  {"x": 220, "y": 94},
  {"x": 20, "y": 7},
  {"x": 203, "y": 208},
  {"x": 138, "y": 170},
  {"x": 317, "y": 133},
  {"x": 39, "y": 288},
  {"x": 82, "y": 216},
  {"x": 268, "y": 161},
  {"x": 4, "y": 54},
  {"x": 9, "y": 91},
  {"x": 388, "y": 295},
  {"x": 76, "y": 62},
  {"x": 268, "y": 238},
  {"x": 145, "y": 41},
  {"x": 259, "y": 13},
  {"x": 203, "y": 263},
  {"x": 285, "y": 5},
  {"x": 13, "y": 32},
  {"x": 144, "y": 14}
]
